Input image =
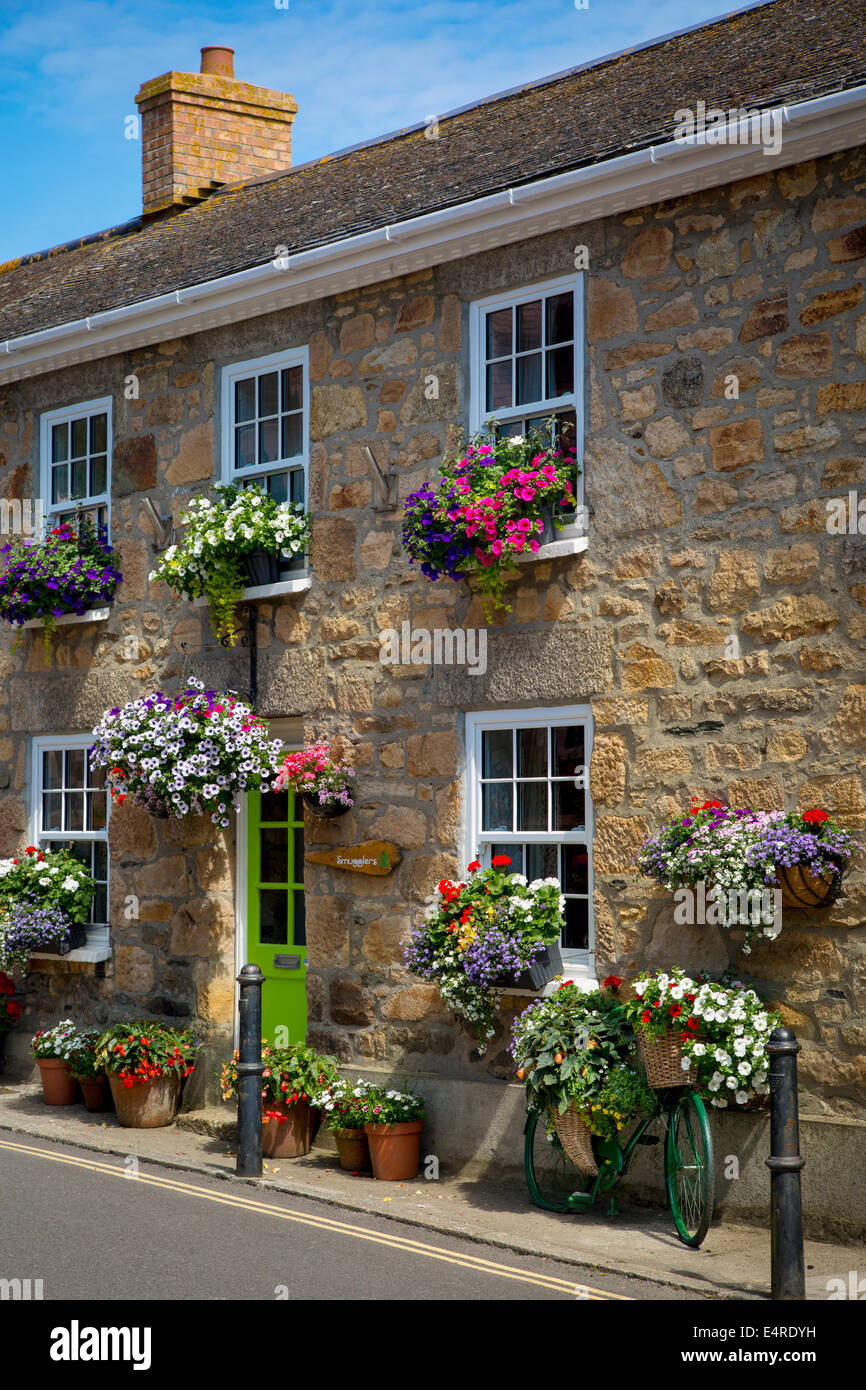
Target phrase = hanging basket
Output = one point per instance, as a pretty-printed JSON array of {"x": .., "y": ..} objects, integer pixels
[
  {"x": 575, "y": 1137},
  {"x": 800, "y": 888},
  {"x": 328, "y": 810},
  {"x": 662, "y": 1061}
]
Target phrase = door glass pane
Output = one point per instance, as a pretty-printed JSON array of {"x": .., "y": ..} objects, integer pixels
[
  {"x": 560, "y": 318},
  {"x": 560, "y": 372},
  {"x": 52, "y": 769},
  {"x": 298, "y": 867},
  {"x": 269, "y": 394},
  {"x": 269, "y": 441},
  {"x": 273, "y": 916},
  {"x": 532, "y": 752},
  {"x": 79, "y": 438},
  {"x": 568, "y": 750},
  {"x": 529, "y": 326},
  {"x": 497, "y": 804},
  {"x": 59, "y": 443},
  {"x": 299, "y": 929},
  {"x": 576, "y": 869},
  {"x": 275, "y": 807},
  {"x": 499, "y": 333},
  {"x": 245, "y": 399},
  {"x": 274, "y": 856},
  {"x": 499, "y": 385},
  {"x": 532, "y": 806},
  {"x": 576, "y": 934},
  {"x": 528, "y": 378},
  {"x": 98, "y": 433},
  {"x": 292, "y": 383},
  {"x": 496, "y": 753},
  {"x": 75, "y": 767},
  {"x": 245, "y": 446},
  {"x": 292, "y": 441},
  {"x": 569, "y": 807},
  {"x": 542, "y": 861}
]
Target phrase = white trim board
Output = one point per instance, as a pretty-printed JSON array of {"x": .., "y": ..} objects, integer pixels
[{"x": 810, "y": 129}]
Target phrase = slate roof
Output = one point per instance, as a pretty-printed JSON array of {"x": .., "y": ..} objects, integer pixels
[{"x": 783, "y": 51}]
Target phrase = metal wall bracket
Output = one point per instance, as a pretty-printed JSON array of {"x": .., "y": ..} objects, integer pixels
[
  {"x": 249, "y": 639},
  {"x": 384, "y": 485}
]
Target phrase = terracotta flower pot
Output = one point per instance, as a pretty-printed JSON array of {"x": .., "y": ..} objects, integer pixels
[
  {"x": 395, "y": 1150},
  {"x": 58, "y": 1083},
  {"x": 353, "y": 1149},
  {"x": 95, "y": 1090},
  {"x": 290, "y": 1136},
  {"x": 146, "y": 1104}
]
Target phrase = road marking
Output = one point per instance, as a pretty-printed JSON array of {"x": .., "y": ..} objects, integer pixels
[{"x": 394, "y": 1242}]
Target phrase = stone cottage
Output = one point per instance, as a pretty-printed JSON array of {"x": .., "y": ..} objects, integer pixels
[{"x": 666, "y": 249}]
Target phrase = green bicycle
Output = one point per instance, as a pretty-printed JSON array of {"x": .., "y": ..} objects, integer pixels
[{"x": 557, "y": 1184}]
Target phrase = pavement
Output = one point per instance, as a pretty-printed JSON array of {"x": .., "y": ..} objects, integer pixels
[{"x": 732, "y": 1263}]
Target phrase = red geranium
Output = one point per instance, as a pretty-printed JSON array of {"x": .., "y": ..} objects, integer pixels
[
  {"x": 500, "y": 860},
  {"x": 815, "y": 816},
  {"x": 612, "y": 982},
  {"x": 474, "y": 866},
  {"x": 645, "y": 1016}
]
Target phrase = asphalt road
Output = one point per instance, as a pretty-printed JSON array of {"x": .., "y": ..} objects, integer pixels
[{"x": 90, "y": 1229}]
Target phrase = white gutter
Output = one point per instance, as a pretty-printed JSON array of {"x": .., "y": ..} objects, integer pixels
[{"x": 810, "y": 129}]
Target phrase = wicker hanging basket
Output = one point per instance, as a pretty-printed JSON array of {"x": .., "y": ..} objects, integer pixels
[
  {"x": 576, "y": 1139},
  {"x": 662, "y": 1061},
  {"x": 800, "y": 888}
]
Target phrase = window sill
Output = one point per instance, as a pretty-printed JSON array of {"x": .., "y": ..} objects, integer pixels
[
  {"x": 298, "y": 585},
  {"x": 578, "y": 974},
  {"x": 554, "y": 550},
  {"x": 93, "y": 615},
  {"x": 96, "y": 948}
]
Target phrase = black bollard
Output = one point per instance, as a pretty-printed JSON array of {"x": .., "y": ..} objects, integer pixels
[
  {"x": 250, "y": 1068},
  {"x": 786, "y": 1216}
]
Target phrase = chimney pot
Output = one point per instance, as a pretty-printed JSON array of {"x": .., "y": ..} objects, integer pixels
[{"x": 217, "y": 61}]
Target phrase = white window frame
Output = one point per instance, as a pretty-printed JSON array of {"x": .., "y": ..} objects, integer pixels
[
  {"x": 66, "y": 415},
  {"x": 98, "y": 945},
  {"x": 579, "y": 964},
  {"x": 479, "y": 415},
  {"x": 256, "y": 366}
]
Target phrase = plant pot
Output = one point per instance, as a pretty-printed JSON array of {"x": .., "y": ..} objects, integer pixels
[
  {"x": 329, "y": 811},
  {"x": 800, "y": 888},
  {"x": 353, "y": 1149},
  {"x": 546, "y": 966},
  {"x": 575, "y": 1137},
  {"x": 62, "y": 945},
  {"x": 290, "y": 1136},
  {"x": 146, "y": 1104},
  {"x": 96, "y": 1093},
  {"x": 261, "y": 567},
  {"x": 395, "y": 1150},
  {"x": 662, "y": 1061},
  {"x": 58, "y": 1083}
]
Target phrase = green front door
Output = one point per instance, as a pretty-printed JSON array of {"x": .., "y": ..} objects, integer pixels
[{"x": 276, "y": 935}]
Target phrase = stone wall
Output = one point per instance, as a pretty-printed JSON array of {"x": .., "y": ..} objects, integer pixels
[{"x": 714, "y": 624}]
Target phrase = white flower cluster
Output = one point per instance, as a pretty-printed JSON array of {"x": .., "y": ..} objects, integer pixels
[{"x": 242, "y": 520}]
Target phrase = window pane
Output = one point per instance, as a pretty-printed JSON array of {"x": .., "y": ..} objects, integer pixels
[
  {"x": 499, "y": 385},
  {"x": 542, "y": 861},
  {"x": 269, "y": 400},
  {"x": 560, "y": 318},
  {"x": 96, "y": 810},
  {"x": 278, "y": 486},
  {"x": 73, "y": 810},
  {"x": 98, "y": 475},
  {"x": 297, "y": 481},
  {"x": 245, "y": 446},
  {"x": 529, "y": 326},
  {"x": 532, "y": 752},
  {"x": 566, "y": 431},
  {"x": 575, "y": 869},
  {"x": 292, "y": 384},
  {"x": 560, "y": 372},
  {"x": 269, "y": 441},
  {"x": 275, "y": 806},
  {"x": 274, "y": 856},
  {"x": 52, "y": 769},
  {"x": 512, "y": 852},
  {"x": 496, "y": 752},
  {"x": 576, "y": 934},
  {"x": 569, "y": 807},
  {"x": 532, "y": 806},
  {"x": 59, "y": 443},
  {"x": 299, "y": 932},
  {"x": 79, "y": 438},
  {"x": 497, "y": 803},
  {"x": 273, "y": 916},
  {"x": 245, "y": 400},
  {"x": 499, "y": 333},
  {"x": 60, "y": 483},
  {"x": 75, "y": 767},
  {"x": 100, "y": 859},
  {"x": 52, "y": 809},
  {"x": 292, "y": 443},
  {"x": 79, "y": 478},
  {"x": 99, "y": 906},
  {"x": 528, "y": 379},
  {"x": 568, "y": 750},
  {"x": 98, "y": 433}
]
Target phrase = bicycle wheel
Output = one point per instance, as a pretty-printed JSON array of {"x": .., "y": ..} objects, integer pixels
[
  {"x": 690, "y": 1170},
  {"x": 551, "y": 1176}
]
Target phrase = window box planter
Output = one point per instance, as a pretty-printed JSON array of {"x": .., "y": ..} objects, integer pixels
[
  {"x": 63, "y": 944},
  {"x": 546, "y": 966},
  {"x": 261, "y": 567},
  {"x": 93, "y": 615}
]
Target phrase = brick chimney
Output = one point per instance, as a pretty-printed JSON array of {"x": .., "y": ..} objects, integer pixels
[{"x": 201, "y": 130}]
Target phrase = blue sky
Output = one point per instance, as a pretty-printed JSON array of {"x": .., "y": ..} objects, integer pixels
[{"x": 357, "y": 68}]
